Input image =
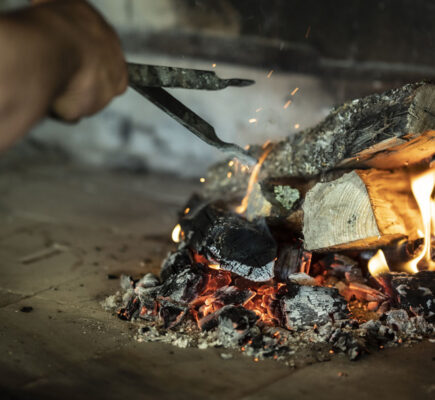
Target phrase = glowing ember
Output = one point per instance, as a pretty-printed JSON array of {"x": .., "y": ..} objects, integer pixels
[
  {"x": 176, "y": 234},
  {"x": 378, "y": 264},
  {"x": 422, "y": 187},
  {"x": 287, "y": 104},
  {"x": 202, "y": 180},
  {"x": 252, "y": 179},
  {"x": 186, "y": 211},
  {"x": 297, "y": 126}
]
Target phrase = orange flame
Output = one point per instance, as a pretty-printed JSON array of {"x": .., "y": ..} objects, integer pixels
[
  {"x": 252, "y": 179},
  {"x": 422, "y": 187},
  {"x": 176, "y": 234},
  {"x": 378, "y": 264}
]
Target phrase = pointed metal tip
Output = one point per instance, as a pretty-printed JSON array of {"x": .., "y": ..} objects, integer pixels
[
  {"x": 242, "y": 155},
  {"x": 240, "y": 82}
]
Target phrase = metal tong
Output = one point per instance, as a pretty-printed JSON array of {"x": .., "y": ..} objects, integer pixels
[{"x": 149, "y": 81}]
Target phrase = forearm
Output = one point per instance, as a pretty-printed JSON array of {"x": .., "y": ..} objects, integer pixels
[{"x": 34, "y": 67}]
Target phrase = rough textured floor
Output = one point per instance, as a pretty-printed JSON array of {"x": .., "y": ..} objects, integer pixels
[{"x": 104, "y": 223}]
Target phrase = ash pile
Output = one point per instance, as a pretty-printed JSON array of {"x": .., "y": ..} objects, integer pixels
[{"x": 233, "y": 284}]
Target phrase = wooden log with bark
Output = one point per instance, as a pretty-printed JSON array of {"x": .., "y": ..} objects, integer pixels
[{"x": 344, "y": 183}]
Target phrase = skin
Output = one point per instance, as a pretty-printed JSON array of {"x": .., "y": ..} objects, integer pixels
[{"x": 56, "y": 56}]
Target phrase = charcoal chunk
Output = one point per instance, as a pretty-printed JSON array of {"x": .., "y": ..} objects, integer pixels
[
  {"x": 416, "y": 292},
  {"x": 240, "y": 317},
  {"x": 240, "y": 246},
  {"x": 231, "y": 295},
  {"x": 304, "y": 306},
  {"x": 183, "y": 287},
  {"x": 171, "y": 314},
  {"x": 234, "y": 324},
  {"x": 244, "y": 248},
  {"x": 175, "y": 262},
  {"x": 131, "y": 310}
]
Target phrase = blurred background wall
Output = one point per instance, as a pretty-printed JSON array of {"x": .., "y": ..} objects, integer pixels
[{"x": 331, "y": 51}]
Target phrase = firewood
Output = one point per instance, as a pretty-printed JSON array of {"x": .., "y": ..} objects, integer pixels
[
  {"x": 387, "y": 130},
  {"x": 362, "y": 209},
  {"x": 358, "y": 131}
]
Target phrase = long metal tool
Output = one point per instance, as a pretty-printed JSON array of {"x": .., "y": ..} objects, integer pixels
[{"x": 149, "y": 81}]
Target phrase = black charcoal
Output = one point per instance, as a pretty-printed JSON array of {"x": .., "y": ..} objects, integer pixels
[
  {"x": 171, "y": 314},
  {"x": 183, "y": 287},
  {"x": 175, "y": 262},
  {"x": 234, "y": 323},
  {"x": 237, "y": 245},
  {"x": 416, "y": 292}
]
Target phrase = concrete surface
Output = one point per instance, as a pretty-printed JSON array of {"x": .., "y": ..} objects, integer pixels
[{"x": 68, "y": 347}]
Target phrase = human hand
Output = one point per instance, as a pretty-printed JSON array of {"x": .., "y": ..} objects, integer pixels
[{"x": 99, "y": 71}]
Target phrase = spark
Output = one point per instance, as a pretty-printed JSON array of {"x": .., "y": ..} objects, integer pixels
[
  {"x": 259, "y": 109},
  {"x": 213, "y": 65},
  {"x": 287, "y": 104},
  {"x": 229, "y": 175},
  {"x": 295, "y": 90},
  {"x": 231, "y": 163},
  {"x": 270, "y": 73},
  {"x": 187, "y": 210},
  {"x": 307, "y": 33},
  {"x": 202, "y": 180},
  {"x": 253, "y": 120},
  {"x": 297, "y": 126}
]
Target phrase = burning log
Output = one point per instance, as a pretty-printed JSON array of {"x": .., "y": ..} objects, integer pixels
[
  {"x": 384, "y": 131},
  {"x": 362, "y": 209},
  {"x": 342, "y": 210}
]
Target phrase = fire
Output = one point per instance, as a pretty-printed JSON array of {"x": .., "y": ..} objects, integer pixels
[
  {"x": 422, "y": 186},
  {"x": 176, "y": 234},
  {"x": 378, "y": 264},
  {"x": 253, "y": 179}
]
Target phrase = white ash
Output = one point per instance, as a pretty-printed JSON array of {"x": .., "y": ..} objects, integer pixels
[
  {"x": 311, "y": 305},
  {"x": 294, "y": 348},
  {"x": 148, "y": 281}
]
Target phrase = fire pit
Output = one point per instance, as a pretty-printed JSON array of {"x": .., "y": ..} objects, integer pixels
[{"x": 323, "y": 246}]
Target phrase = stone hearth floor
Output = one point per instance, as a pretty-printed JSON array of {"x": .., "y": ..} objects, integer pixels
[{"x": 69, "y": 347}]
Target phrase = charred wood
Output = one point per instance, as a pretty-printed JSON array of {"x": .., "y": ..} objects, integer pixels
[{"x": 237, "y": 245}]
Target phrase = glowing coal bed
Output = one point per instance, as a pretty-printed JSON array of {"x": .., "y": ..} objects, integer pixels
[{"x": 236, "y": 284}]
